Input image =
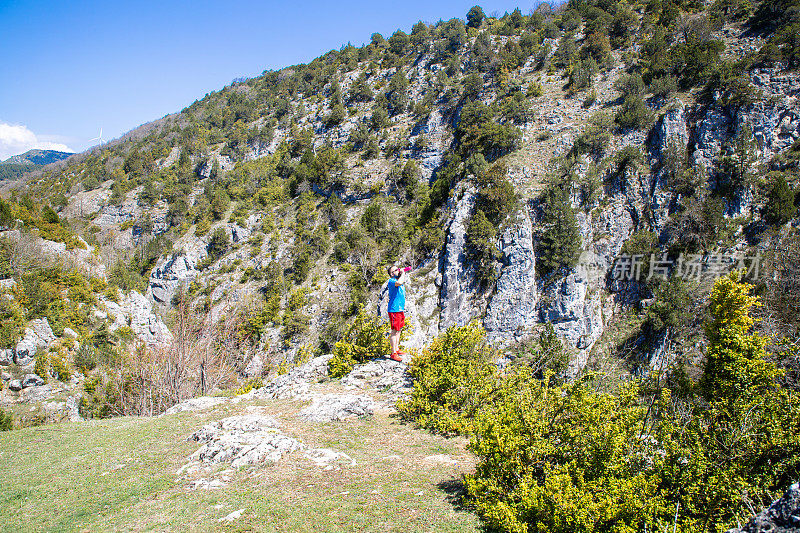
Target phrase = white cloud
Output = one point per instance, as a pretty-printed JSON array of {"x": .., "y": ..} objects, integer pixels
[{"x": 19, "y": 139}]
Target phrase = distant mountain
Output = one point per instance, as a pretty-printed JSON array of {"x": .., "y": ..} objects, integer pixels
[
  {"x": 37, "y": 157},
  {"x": 16, "y": 165}
]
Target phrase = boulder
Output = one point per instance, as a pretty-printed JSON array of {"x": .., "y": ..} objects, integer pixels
[
  {"x": 336, "y": 407},
  {"x": 15, "y": 385},
  {"x": 390, "y": 377},
  {"x": 243, "y": 440},
  {"x": 32, "y": 380},
  {"x": 783, "y": 516},
  {"x": 37, "y": 335},
  {"x": 6, "y": 356},
  {"x": 195, "y": 404},
  {"x": 38, "y": 393},
  {"x": 296, "y": 382}
]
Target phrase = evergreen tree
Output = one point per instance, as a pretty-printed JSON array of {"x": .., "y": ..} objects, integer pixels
[
  {"x": 561, "y": 240},
  {"x": 779, "y": 207},
  {"x": 475, "y": 17}
]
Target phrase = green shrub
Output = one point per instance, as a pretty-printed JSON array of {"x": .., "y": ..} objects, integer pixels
[
  {"x": 664, "y": 86},
  {"x": 248, "y": 385},
  {"x": 564, "y": 459},
  {"x": 365, "y": 338},
  {"x": 85, "y": 358},
  {"x": 633, "y": 113},
  {"x": 779, "y": 207},
  {"x": 482, "y": 250},
  {"x": 12, "y": 322},
  {"x": 535, "y": 90},
  {"x": 42, "y": 365},
  {"x": 59, "y": 367},
  {"x": 6, "y": 421},
  {"x": 453, "y": 378},
  {"x": 219, "y": 243},
  {"x": 596, "y": 137}
]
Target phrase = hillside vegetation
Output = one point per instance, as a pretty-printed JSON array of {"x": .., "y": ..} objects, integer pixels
[{"x": 598, "y": 200}]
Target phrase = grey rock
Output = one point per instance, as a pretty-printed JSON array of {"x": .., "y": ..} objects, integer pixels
[
  {"x": 15, "y": 385},
  {"x": 6, "y": 356},
  {"x": 195, "y": 404},
  {"x": 37, "y": 335},
  {"x": 112, "y": 215},
  {"x": 783, "y": 516},
  {"x": 712, "y": 131},
  {"x": 296, "y": 382},
  {"x": 69, "y": 332},
  {"x": 435, "y": 130},
  {"x": 389, "y": 377},
  {"x": 73, "y": 409},
  {"x": 31, "y": 380},
  {"x": 238, "y": 233},
  {"x": 136, "y": 311},
  {"x": 576, "y": 313},
  {"x": 671, "y": 129},
  {"x": 255, "y": 366},
  {"x": 512, "y": 309},
  {"x": 459, "y": 284},
  {"x": 176, "y": 269},
  {"x": 38, "y": 393},
  {"x": 6, "y": 377},
  {"x": 327, "y": 458},
  {"x": 335, "y": 407},
  {"x": 243, "y": 440}
]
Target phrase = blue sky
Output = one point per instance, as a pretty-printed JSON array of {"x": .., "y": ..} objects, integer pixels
[{"x": 71, "y": 68}]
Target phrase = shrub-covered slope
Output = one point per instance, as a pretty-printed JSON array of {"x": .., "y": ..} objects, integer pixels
[{"x": 512, "y": 161}]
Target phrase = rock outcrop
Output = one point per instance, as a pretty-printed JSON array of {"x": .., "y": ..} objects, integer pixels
[
  {"x": 295, "y": 383},
  {"x": 175, "y": 270},
  {"x": 783, "y": 516},
  {"x": 336, "y": 407},
  {"x": 38, "y": 335},
  {"x": 243, "y": 440},
  {"x": 512, "y": 309},
  {"x": 459, "y": 283},
  {"x": 384, "y": 375},
  {"x": 574, "y": 310},
  {"x": 136, "y": 311}
]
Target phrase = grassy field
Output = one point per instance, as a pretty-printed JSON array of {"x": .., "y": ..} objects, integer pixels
[{"x": 123, "y": 475}]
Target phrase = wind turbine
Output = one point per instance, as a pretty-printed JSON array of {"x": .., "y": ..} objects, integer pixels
[{"x": 99, "y": 137}]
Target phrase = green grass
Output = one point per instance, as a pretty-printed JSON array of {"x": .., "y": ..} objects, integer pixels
[{"x": 67, "y": 477}]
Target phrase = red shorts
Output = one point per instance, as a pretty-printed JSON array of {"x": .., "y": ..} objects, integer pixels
[{"x": 397, "y": 320}]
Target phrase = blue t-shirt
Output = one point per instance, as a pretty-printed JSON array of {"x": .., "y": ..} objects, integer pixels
[{"x": 397, "y": 296}]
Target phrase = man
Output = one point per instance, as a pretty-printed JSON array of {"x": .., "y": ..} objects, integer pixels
[{"x": 397, "y": 305}]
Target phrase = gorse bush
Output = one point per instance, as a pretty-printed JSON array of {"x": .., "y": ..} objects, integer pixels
[
  {"x": 567, "y": 458},
  {"x": 364, "y": 339},
  {"x": 452, "y": 379},
  {"x": 564, "y": 459}
]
